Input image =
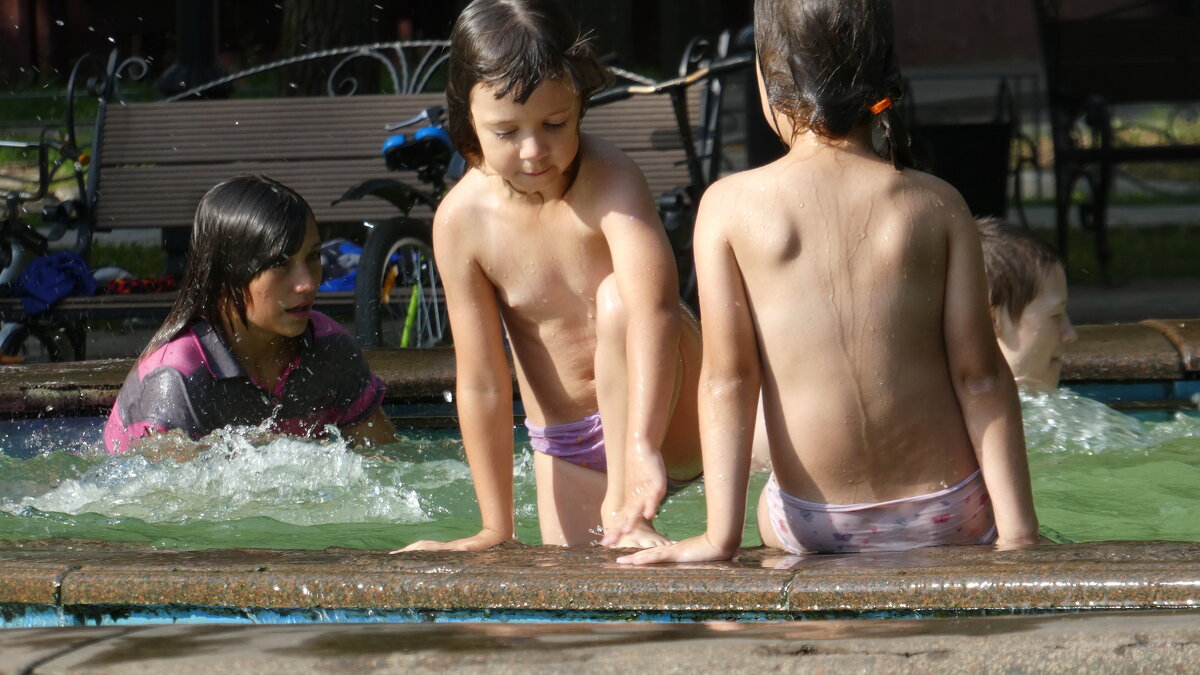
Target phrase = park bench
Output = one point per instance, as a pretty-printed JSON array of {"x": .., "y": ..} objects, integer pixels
[
  {"x": 1138, "y": 53},
  {"x": 152, "y": 162}
]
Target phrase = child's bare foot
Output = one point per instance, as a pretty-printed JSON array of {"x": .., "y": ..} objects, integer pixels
[{"x": 643, "y": 535}]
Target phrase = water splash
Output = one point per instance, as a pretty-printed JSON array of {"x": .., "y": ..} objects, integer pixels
[
  {"x": 291, "y": 480},
  {"x": 1062, "y": 421},
  {"x": 1100, "y": 474}
]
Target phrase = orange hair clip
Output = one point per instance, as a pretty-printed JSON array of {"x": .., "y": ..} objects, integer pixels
[{"x": 881, "y": 105}]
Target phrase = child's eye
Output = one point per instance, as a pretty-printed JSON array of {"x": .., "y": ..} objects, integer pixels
[
  {"x": 503, "y": 134},
  {"x": 278, "y": 262},
  {"x": 556, "y": 125}
]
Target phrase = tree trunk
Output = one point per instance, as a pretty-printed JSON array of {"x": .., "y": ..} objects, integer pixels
[{"x": 315, "y": 25}]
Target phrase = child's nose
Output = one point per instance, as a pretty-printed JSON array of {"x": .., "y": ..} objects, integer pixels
[
  {"x": 1068, "y": 332},
  {"x": 306, "y": 280},
  {"x": 532, "y": 147}
]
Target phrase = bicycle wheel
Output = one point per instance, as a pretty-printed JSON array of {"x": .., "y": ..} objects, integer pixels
[
  {"x": 59, "y": 341},
  {"x": 398, "y": 297}
]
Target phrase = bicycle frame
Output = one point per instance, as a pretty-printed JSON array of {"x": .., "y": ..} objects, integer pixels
[
  {"x": 432, "y": 161},
  {"x": 18, "y": 238}
]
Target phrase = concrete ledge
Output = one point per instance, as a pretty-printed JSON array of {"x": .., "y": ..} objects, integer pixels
[
  {"x": 1121, "y": 352},
  {"x": 1107, "y": 642},
  {"x": 1150, "y": 350},
  {"x": 1098, "y": 575},
  {"x": 91, "y": 387},
  {"x": 1093, "y": 643}
]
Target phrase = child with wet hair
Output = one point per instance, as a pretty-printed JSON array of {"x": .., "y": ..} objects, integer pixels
[
  {"x": 849, "y": 288},
  {"x": 552, "y": 240},
  {"x": 242, "y": 344},
  {"x": 1027, "y": 289}
]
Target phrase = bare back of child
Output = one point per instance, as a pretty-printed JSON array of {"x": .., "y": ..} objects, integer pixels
[
  {"x": 851, "y": 290},
  {"x": 552, "y": 239}
]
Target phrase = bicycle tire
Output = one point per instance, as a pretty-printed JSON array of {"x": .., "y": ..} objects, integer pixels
[
  {"x": 56, "y": 341},
  {"x": 401, "y": 247}
]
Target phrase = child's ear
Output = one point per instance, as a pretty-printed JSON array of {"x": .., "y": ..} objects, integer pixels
[{"x": 1004, "y": 326}]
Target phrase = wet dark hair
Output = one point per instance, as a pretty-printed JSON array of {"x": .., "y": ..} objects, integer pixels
[
  {"x": 243, "y": 226},
  {"x": 825, "y": 63},
  {"x": 514, "y": 45},
  {"x": 1016, "y": 261}
]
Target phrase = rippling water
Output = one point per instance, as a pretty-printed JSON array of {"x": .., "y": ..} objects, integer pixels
[
  {"x": 287, "y": 493},
  {"x": 1100, "y": 474},
  {"x": 1097, "y": 474}
]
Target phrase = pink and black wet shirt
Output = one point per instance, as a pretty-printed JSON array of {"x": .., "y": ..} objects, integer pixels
[{"x": 194, "y": 383}]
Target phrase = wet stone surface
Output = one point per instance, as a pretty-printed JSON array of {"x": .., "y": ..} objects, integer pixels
[
  {"x": 1151, "y": 350},
  {"x": 1124, "y": 575},
  {"x": 1121, "y": 352}
]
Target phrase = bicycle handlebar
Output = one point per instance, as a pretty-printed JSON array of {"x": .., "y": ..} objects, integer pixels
[
  {"x": 43, "y": 146},
  {"x": 713, "y": 69},
  {"x": 434, "y": 115}
]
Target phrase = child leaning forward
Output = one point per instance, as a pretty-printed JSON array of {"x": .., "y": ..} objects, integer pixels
[{"x": 552, "y": 239}]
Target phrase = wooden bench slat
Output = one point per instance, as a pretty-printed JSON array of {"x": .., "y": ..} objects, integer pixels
[
  {"x": 166, "y": 196},
  {"x": 156, "y": 133}
]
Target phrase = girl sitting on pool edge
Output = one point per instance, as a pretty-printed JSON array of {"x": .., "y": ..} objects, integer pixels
[
  {"x": 849, "y": 289},
  {"x": 242, "y": 344}
]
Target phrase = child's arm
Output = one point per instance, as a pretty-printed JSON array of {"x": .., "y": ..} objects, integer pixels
[
  {"x": 484, "y": 385},
  {"x": 375, "y": 431},
  {"x": 984, "y": 385},
  {"x": 729, "y": 385}
]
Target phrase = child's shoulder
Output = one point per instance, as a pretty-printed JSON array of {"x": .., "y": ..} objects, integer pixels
[
  {"x": 929, "y": 197},
  {"x": 601, "y": 160},
  {"x": 181, "y": 353},
  {"x": 464, "y": 196},
  {"x": 729, "y": 195}
]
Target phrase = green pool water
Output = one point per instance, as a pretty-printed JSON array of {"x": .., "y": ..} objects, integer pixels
[
  {"x": 1097, "y": 474},
  {"x": 1100, "y": 474},
  {"x": 289, "y": 493}
]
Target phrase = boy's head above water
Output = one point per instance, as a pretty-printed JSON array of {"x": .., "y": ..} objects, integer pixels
[
  {"x": 830, "y": 67},
  {"x": 1028, "y": 298},
  {"x": 510, "y": 48}
]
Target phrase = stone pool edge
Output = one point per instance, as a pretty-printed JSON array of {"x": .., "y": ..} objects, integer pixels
[
  {"x": 1153, "y": 350},
  {"x": 77, "y": 575}
]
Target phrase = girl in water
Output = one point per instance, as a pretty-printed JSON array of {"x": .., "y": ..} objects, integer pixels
[{"x": 242, "y": 344}]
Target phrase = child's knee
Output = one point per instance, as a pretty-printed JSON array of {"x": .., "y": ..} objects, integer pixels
[{"x": 610, "y": 308}]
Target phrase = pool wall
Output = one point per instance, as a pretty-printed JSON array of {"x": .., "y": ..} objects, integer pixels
[
  {"x": 99, "y": 582},
  {"x": 102, "y": 583},
  {"x": 1162, "y": 358}
]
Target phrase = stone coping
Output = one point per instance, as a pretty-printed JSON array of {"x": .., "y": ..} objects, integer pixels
[
  {"x": 1150, "y": 350},
  {"x": 1104, "y": 642},
  {"x": 1098, "y": 575}
]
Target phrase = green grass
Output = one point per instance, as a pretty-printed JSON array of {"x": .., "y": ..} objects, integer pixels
[
  {"x": 1165, "y": 252},
  {"x": 143, "y": 261}
]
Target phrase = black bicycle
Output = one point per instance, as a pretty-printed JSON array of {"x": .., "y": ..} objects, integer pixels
[
  {"x": 21, "y": 242},
  {"x": 397, "y": 279}
]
